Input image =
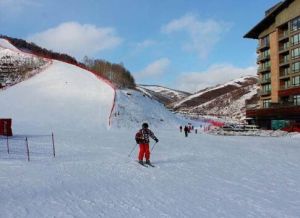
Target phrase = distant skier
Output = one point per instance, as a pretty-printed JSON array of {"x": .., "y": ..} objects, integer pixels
[
  {"x": 186, "y": 131},
  {"x": 196, "y": 131},
  {"x": 142, "y": 138},
  {"x": 180, "y": 128}
]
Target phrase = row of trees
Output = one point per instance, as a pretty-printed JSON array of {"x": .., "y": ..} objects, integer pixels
[
  {"x": 37, "y": 50},
  {"x": 116, "y": 73}
]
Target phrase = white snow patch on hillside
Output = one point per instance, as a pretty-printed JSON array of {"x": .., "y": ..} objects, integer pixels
[
  {"x": 7, "y": 45},
  {"x": 144, "y": 91},
  {"x": 234, "y": 108},
  {"x": 59, "y": 98},
  {"x": 160, "y": 89},
  {"x": 233, "y": 82}
]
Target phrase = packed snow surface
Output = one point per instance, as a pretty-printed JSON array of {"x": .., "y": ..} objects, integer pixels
[{"x": 199, "y": 176}]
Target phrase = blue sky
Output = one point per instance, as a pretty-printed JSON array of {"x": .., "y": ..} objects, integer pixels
[{"x": 183, "y": 44}]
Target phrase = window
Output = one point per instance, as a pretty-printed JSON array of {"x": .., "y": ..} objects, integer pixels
[
  {"x": 296, "y": 67},
  {"x": 266, "y": 103},
  {"x": 266, "y": 76},
  {"x": 286, "y": 71},
  {"x": 286, "y": 84},
  {"x": 295, "y": 24},
  {"x": 296, "y": 99},
  {"x": 295, "y": 39},
  {"x": 295, "y": 53},
  {"x": 284, "y": 46},
  {"x": 266, "y": 53},
  {"x": 264, "y": 41},
  {"x": 266, "y": 88},
  {"x": 265, "y": 65},
  {"x": 296, "y": 81}
]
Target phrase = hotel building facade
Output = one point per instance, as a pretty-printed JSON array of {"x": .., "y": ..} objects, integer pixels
[{"x": 278, "y": 35}]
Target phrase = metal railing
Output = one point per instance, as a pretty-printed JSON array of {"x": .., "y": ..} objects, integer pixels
[
  {"x": 263, "y": 69},
  {"x": 263, "y": 57},
  {"x": 285, "y": 73},
  {"x": 263, "y": 45},
  {"x": 284, "y": 60},
  {"x": 264, "y": 92},
  {"x": 265, "y": 80},
  {"x": 289, "y": 86}
]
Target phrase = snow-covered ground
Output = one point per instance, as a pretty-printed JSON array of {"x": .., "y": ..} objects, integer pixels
[
  {"x": 202, "y": 175},
  {"x": 198, "y": 176}
]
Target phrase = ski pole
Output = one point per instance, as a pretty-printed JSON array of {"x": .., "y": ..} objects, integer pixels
[
  {"x": 153, "y": 146},
  {"x": 132, "y": 150}
]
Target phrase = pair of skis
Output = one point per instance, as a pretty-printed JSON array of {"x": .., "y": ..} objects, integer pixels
[{"x": 146, "y": 164}]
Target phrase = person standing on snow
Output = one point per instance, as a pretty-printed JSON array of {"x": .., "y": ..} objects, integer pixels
[
  {"x": 142, "y": 138},
  {"x": 186, "y": 130},
  {"x": 180, "y": 128}
]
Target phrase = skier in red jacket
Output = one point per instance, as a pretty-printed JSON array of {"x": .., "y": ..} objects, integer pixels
[{"x": 142, "y": 138}]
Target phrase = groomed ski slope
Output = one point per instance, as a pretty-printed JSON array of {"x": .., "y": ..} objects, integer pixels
[
  {"x": 199, "y": 176},
  {"x": 61, "y": 98}
]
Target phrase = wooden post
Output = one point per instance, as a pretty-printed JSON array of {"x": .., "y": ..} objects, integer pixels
[
  {"x": 53, "y": 145},
  {"x": 7, "y": 144},
  {"x": 27, "y": 149}
]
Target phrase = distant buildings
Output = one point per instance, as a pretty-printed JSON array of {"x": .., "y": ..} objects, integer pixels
[{"x": 278, "y": 50}]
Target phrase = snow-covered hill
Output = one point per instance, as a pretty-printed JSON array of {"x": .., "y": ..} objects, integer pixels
[
  {"x": 164, "y": 95},
  {"x": 226, "y": 100},
  {"x": 16, "y": 66},
  {"x": 133, "y": 108},
  {"x": 59, "y": 98}
]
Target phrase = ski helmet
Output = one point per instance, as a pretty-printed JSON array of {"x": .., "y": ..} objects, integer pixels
[{"x": 145, "y": 125}]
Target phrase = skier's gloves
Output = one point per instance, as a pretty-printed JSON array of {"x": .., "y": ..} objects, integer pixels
[{"x": 156, "y": 140}]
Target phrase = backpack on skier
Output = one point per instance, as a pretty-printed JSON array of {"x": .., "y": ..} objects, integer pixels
[{"x": 138, "y": 137}]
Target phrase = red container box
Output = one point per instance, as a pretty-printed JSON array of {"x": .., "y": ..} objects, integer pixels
[{"x": 5, "y": 127}]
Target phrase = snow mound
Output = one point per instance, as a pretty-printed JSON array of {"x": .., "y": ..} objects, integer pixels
[{"x": 62, "y": 97}]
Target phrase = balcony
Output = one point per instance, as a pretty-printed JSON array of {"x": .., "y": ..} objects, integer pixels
[
  {"x": 294, "y": 71},
  {"x": 263, "y": 58},
  {"x": 264, "y": 69},
  {"x": 289, "y": 90},
  {"x": 264, "y": 92},
  {"x": 284, "y": 87},
  {"x": 281, "y": 111},
  {"x": 265, "y": 80},
  {"x": 284, "y": 61},
  {"x": 284, "y": 48},
  {"x": 284, "y": 35},
  {"x": 263, "y": 46},
  {"x": 289, "y": 86},
  {"x": 284, "y": 74}
]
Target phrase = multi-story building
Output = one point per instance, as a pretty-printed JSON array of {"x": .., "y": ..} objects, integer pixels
[{"x": 278, "y": 50}]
